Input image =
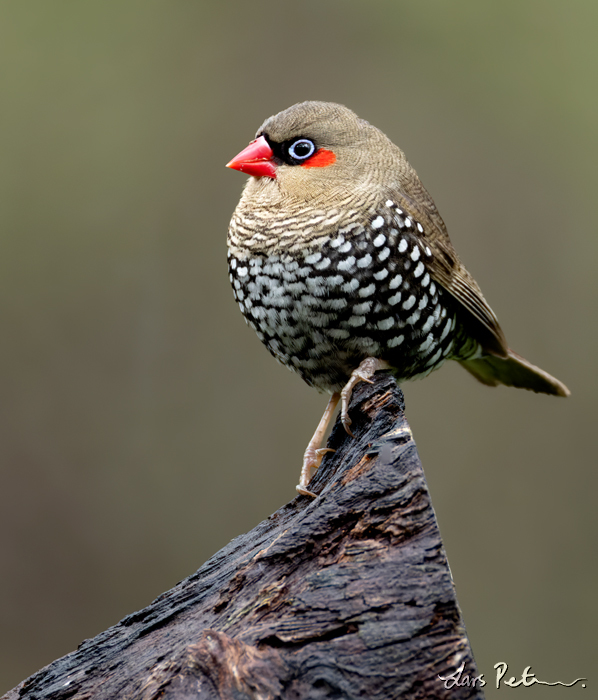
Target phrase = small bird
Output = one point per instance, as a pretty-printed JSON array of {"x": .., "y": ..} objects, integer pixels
[{"x": 341, "y": 263}]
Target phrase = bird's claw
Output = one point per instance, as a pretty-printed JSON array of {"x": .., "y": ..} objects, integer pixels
[
  {"x": 305, "y": 492},
  {"x": 363, "y": 373}
]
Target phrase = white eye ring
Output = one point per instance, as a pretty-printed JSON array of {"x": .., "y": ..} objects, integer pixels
[{"x": 302, "y": 142}]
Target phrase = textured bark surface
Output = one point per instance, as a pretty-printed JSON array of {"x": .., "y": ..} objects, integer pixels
[{"x": 345, "y": 596}]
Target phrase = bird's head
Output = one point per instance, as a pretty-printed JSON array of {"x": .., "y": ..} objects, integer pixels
[{"x": 318, "y": 152}]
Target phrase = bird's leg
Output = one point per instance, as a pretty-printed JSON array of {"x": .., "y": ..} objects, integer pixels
[
  {"x": 364, "y": 373},
  {"x": 314, "y": 452}
]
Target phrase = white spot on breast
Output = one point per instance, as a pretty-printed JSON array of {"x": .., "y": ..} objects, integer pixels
[
  {"x": 414, "y": 318},
  {"x": 427, "y": 344},
  {"x": 233, "y": 263},
  {"x": 393, "y": 342},
  {"x": 231, "y": 278},
  {"x": 362, "y": 308},
  {"x": 274, "y": 269},
  {"x": 242, "y": 271},
  {"x": 395, "y": 282},
  {"x": 237, "y": 284},
  {"x": 278, "y": 300},
  {"x": 339, "y": 240},
  {"x": 420, "y": 228},
  {"x": 310, "y": 364},
  {"x": 437, "y": 311},
  {"x": 409, "y": 303},
  {"x": 357, "y": 320},
  {"x": 317, "y": 285},
  {"x": 240, "y": 295},
  {"x": 400, "y": 211},
  {"x": 378, "y": 222},
  {"x": 346, "y": 247},
  {"x": 335, "y": 280},
  {"x": 367, "y": 291},
  {"x": 323, "y": 264},
  {"x": 338, "y": 333},
  {"x": 380, "y": 275},
  {"x": 432, "y": 288},
  {"x": 428, "y": 324},
  {"x": 448, "y": 348},
  {"x": 347, "y": 264},
  {"x": 423, "y": 302},
  {"x": 415, "y": 253},
  {"x": 379, "y": 240},
  {"x": 383, "y": 254},
  {"x": 336, "y": 304},
  {"x": 386, "y": 323},
  {"x": 319, "y": 320},
  {"x": 402, "y": 245},
  {"x": 408, "y": 222},
  {"x": 295, "y": 288},
  {"x": 258, "y": 312},
  {"x": 320, "y": 349},
  {"x": 313, "y": 258},
  {"x": 446, "y": 330},
  {"x": 351, "y": 285},
  {"x": 390, "y": 203},
  {"x": 419, "y": 270},
  {"x": 289, "y": 276},
  {"x": 365, "y": 261},
  {"x": 242, "y": 307},
  {"x": 395, "y": 299},
  {"x": 428, "y": 252},
  {"x": 426, "y": 280},
  {"x": 434, "y": 357},
  {"x": 369, "y": 345}
]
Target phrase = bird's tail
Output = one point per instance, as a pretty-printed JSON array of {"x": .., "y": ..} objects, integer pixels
[{"x": 513, "y": 370}]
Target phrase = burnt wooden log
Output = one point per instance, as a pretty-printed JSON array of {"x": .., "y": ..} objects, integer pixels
[{"x": 345, "y": 596}]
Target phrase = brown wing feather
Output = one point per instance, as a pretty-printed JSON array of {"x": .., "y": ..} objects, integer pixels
[{"x": 447, "y": 270}]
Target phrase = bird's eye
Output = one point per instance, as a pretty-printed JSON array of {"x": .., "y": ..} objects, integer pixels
[{"x": 301, "y": 149}]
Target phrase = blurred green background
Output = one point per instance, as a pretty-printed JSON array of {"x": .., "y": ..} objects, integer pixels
[{"x": 142, "y": 423}]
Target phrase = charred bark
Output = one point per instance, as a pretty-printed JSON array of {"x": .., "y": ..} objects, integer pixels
[{"x": 345, "y": 596}]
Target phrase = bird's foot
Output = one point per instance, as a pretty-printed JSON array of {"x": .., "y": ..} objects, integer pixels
[
  {"x": 364, "y": 373},
  {"x": 311, "y": 460},
  {"x": 314, "y": 452}
]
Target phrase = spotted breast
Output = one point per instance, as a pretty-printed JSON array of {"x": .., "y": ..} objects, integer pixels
[{"x": 364, "y": 290}]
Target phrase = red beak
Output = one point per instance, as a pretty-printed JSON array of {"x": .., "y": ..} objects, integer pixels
[{"x": 257, "y": 159}]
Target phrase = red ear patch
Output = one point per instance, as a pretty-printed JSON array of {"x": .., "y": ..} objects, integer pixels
[{"x": 320, "y": 159}]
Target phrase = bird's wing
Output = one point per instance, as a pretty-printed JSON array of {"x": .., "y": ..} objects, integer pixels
[{"x": 447, "y": 270}]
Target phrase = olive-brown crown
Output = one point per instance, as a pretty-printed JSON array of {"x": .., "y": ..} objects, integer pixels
[{"x": 367, "y": 164}]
